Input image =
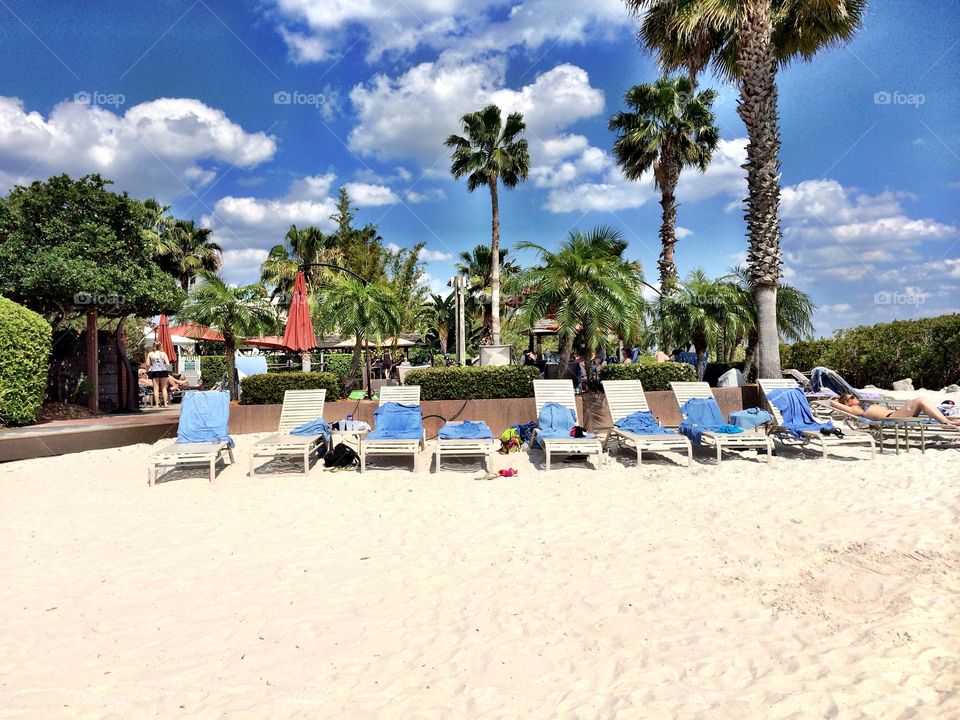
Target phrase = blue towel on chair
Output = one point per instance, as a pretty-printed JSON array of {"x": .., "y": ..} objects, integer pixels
[
  {"x": 396, "y": 421},
  {"x": 314, "y": 427},
  {"x": 466, "y": 430},
  {"x": 750, "y": 418},
  {"x": 702, "y": 415},
  {"x": 642, "y": 422},
  {"x": 796, "y": 412},
  {"x": 203, "y": 417},
  {"x": 556, "y": 421}
]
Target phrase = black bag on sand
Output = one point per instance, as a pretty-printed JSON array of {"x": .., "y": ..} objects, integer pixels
[{"x": 342, "y": 456}]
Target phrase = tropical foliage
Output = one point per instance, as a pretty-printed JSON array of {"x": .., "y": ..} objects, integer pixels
[{"x": 25, "y": 341}]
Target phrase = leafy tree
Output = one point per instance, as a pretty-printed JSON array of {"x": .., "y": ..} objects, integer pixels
[
  {"x": 235, "y": 312},
  {"x": 586, "y": 286},
  {"x": 667, "y": 128},
  {"x": 441, "y": 318},
  {"x": 405, "y": 278},
  {"x": 748, "y": 41},
  {"x": 477, "y": 265},
  {"x": 489, "y": 152}
]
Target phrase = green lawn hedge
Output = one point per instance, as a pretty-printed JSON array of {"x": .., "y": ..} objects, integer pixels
[
  {"x": 25, "y": 343},
  {"x": 927, "y": 350},
  {"x": 212, "y": 369},
  {"x": 656, "y": 376},
  {"x": 474, "y": 383},
  {"x": 268, "y": 388}
]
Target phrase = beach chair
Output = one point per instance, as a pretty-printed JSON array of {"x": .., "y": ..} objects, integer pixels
[
  {"x": 625, "y": 397},
  {"x": 299, "y": 407},
  {"x": 202, "y": 437},
  {"x": 561, "y": 392},
  {"x": 747, "y": 440},
  {"x": 465, "y": 447},
  {"x": 405, "y": 395},
  {"x": 924, "y": 426},
  {"x": 824, "y": 442}
]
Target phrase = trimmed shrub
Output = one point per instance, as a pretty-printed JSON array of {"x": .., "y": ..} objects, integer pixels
[
  {"x": 474, "y": 383},
  {"x": 339, "y": 364},
  {"x": 657, "y": 376},
  {"x": 213, "y": 368},
  {"x": 268, "y": 388},
  {"x": 25, "y": 344}
]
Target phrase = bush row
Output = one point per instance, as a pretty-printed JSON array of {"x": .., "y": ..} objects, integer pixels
[
  {"x": 927, "y": 350},
  {"x": 656, "y": 376},
  {"x": 268, "y": 388},
  {"x": 25, "y": 343},
  {"x": 474, "y": 383}
]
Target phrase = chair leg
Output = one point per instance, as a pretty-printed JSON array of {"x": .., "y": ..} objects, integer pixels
[
  {"x": 253, "y": 465},
  {"x": 151, "y": 475},
  {"x": 547, "y": 453},
  {"x": 719, "y": 451},
  {"x": 438, "y": 458},
  {"x": 213, "y": 468},
  {"x": 306, "y": 461},
  {"x": 363, "y": 463},
  {"x": 689, "y": 454},
  {"x": 823, "y": 446}
]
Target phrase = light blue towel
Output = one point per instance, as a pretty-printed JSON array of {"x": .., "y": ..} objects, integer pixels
[
  {"x": 749, "y": 418},
  {"x": 702, "y": 415},
  {"x": 396, "y": 421},
  {"x": 642, "y": 422},
  {"x": 314, "y": 427},
  {"x": 556, "y": 421},
  {"x": 466, "y": 430},
  {"x": 795, "y": 411},
  {"x": 203, "y": 417}
]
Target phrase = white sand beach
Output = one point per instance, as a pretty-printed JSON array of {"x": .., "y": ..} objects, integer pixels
[{"x": 806, "y": 588}]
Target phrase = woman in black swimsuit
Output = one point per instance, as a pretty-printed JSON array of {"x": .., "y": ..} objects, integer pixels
[{"x": 873, "y": 411}]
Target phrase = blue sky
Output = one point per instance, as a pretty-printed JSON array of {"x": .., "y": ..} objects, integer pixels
[{"x": 247, "y": 116}]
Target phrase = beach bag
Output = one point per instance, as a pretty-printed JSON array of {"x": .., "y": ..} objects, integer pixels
[
  {"x": 510, "y": 441},
  {"x": 342, "y": 456}
]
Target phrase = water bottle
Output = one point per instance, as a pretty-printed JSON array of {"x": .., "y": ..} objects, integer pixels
[{"x": 349, "y": 421}]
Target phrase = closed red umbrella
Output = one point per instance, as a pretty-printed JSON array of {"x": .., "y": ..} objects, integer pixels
[
  {"x": 299, "y": 335},
  {"x": 164, "y": 339}
]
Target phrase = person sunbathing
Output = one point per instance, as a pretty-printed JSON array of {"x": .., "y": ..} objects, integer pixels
[{"x": 874, "y": 411}]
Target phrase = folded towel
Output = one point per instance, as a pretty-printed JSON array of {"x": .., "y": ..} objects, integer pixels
[
  {"x": 466, "y": 430},
  {"x": 396, "y": 421},
  {"x": 642, "y": 422},
  {"x": 203, "y": 417},
  {"x": 795, "y": 411},
  {"x": 749, "y": 418},
  {"x": 702, "y": 415},
  {"x": 313, "y": 428}
]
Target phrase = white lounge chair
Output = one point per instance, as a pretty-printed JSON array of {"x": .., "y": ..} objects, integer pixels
[
  {"x": 824, "y": 442},
  {"x": 561, "y": 392},
  {"x": 405, "y": 395},
  {"x": 880, "y": 429},
  {"x": 299, "y": 407},
  {"x": 464, "y": 447},
  {"x": 746, "y": 440},
  {"x": 193, "y": 453},
  {"x": 625, "y": 397}
]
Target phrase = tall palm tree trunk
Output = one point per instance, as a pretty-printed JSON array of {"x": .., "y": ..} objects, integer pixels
[
  {"x": 669, "y": 176},
  {"x": 230, "y": 353},
  {"x": 494, "y": 265},
  {"x": 758, "y": 109},
  {"x": 566, "y": 350}
]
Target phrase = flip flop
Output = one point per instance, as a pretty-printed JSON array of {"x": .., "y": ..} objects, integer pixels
[
  {"x": 509, "y": 472},
  {"x": 488, "y": 476}
]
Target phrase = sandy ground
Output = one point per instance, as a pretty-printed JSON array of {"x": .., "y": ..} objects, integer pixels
[{"x": 799, "y": 589}]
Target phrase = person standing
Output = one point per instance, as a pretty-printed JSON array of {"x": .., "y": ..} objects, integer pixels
[{"x": 158, "y": 370}]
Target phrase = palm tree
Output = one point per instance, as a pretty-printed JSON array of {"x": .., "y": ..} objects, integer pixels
[
  {"x": 157, "y": 225},
  {"x": 478, "y": 267},
  {"x": 701, "y": 312},
  {"x": 186, "y": 251},
  {"x": 405, "y": 278},
  {"x": 489, "y": 152},
  {"x": 586, "y": 286},
  {"x": 234, "y": 312},
  {"x": 748, "y": 40},
  {"x": 441, "y": 318},
  {"x": 668, "y": 128},
  {"x": 299, "y": 248},
  {"x": 368, "y": 310}
]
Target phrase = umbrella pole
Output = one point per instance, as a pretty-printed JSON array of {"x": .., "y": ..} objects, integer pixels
[{"x": 369, "y": 377}]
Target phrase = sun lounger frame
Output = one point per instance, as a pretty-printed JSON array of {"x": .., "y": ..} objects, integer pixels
[
  {"x": 299, "y": 407},
  {"x": 561, "y": 392},
  {"x": 746, "y": 440},
  {"x": 878, "y": 428},
  {"x": 810, "y": 437},
  {"x": 465, "y": 447},
  {"x": 188, "y": 454},
  {"x": 405, "y": 395},
  {"x": 625, "y": 397}
]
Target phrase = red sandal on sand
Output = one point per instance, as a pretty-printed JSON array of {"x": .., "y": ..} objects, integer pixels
[{"x": 509, "y": 472}]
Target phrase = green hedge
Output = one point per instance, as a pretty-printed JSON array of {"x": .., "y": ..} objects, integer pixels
[
  {"x": 268, "y": 388},
  {"x": 474, "y": 383},
  {"x": 927, "y": 350},
  {"x": 212, "y": 369},
  {"x": 339, "y": 364},
  {"x": 657, "y": 376},
  {"x": 25, "y": 344}
]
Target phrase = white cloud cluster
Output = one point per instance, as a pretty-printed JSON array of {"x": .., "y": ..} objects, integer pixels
[
  {"x": 167, "y": 147},
  {"x": 316, "y": 31}
]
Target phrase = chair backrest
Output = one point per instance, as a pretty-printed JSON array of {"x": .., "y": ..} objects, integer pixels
[
  {"x": 404, "y": 394},
  {"x": 684, "y": 391},
  {"x": 557, "y": 391},
  {"x": 770, "y": 384},
  {"x": 624, "y": 397},
  {"x": 300, "y": 406}
]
